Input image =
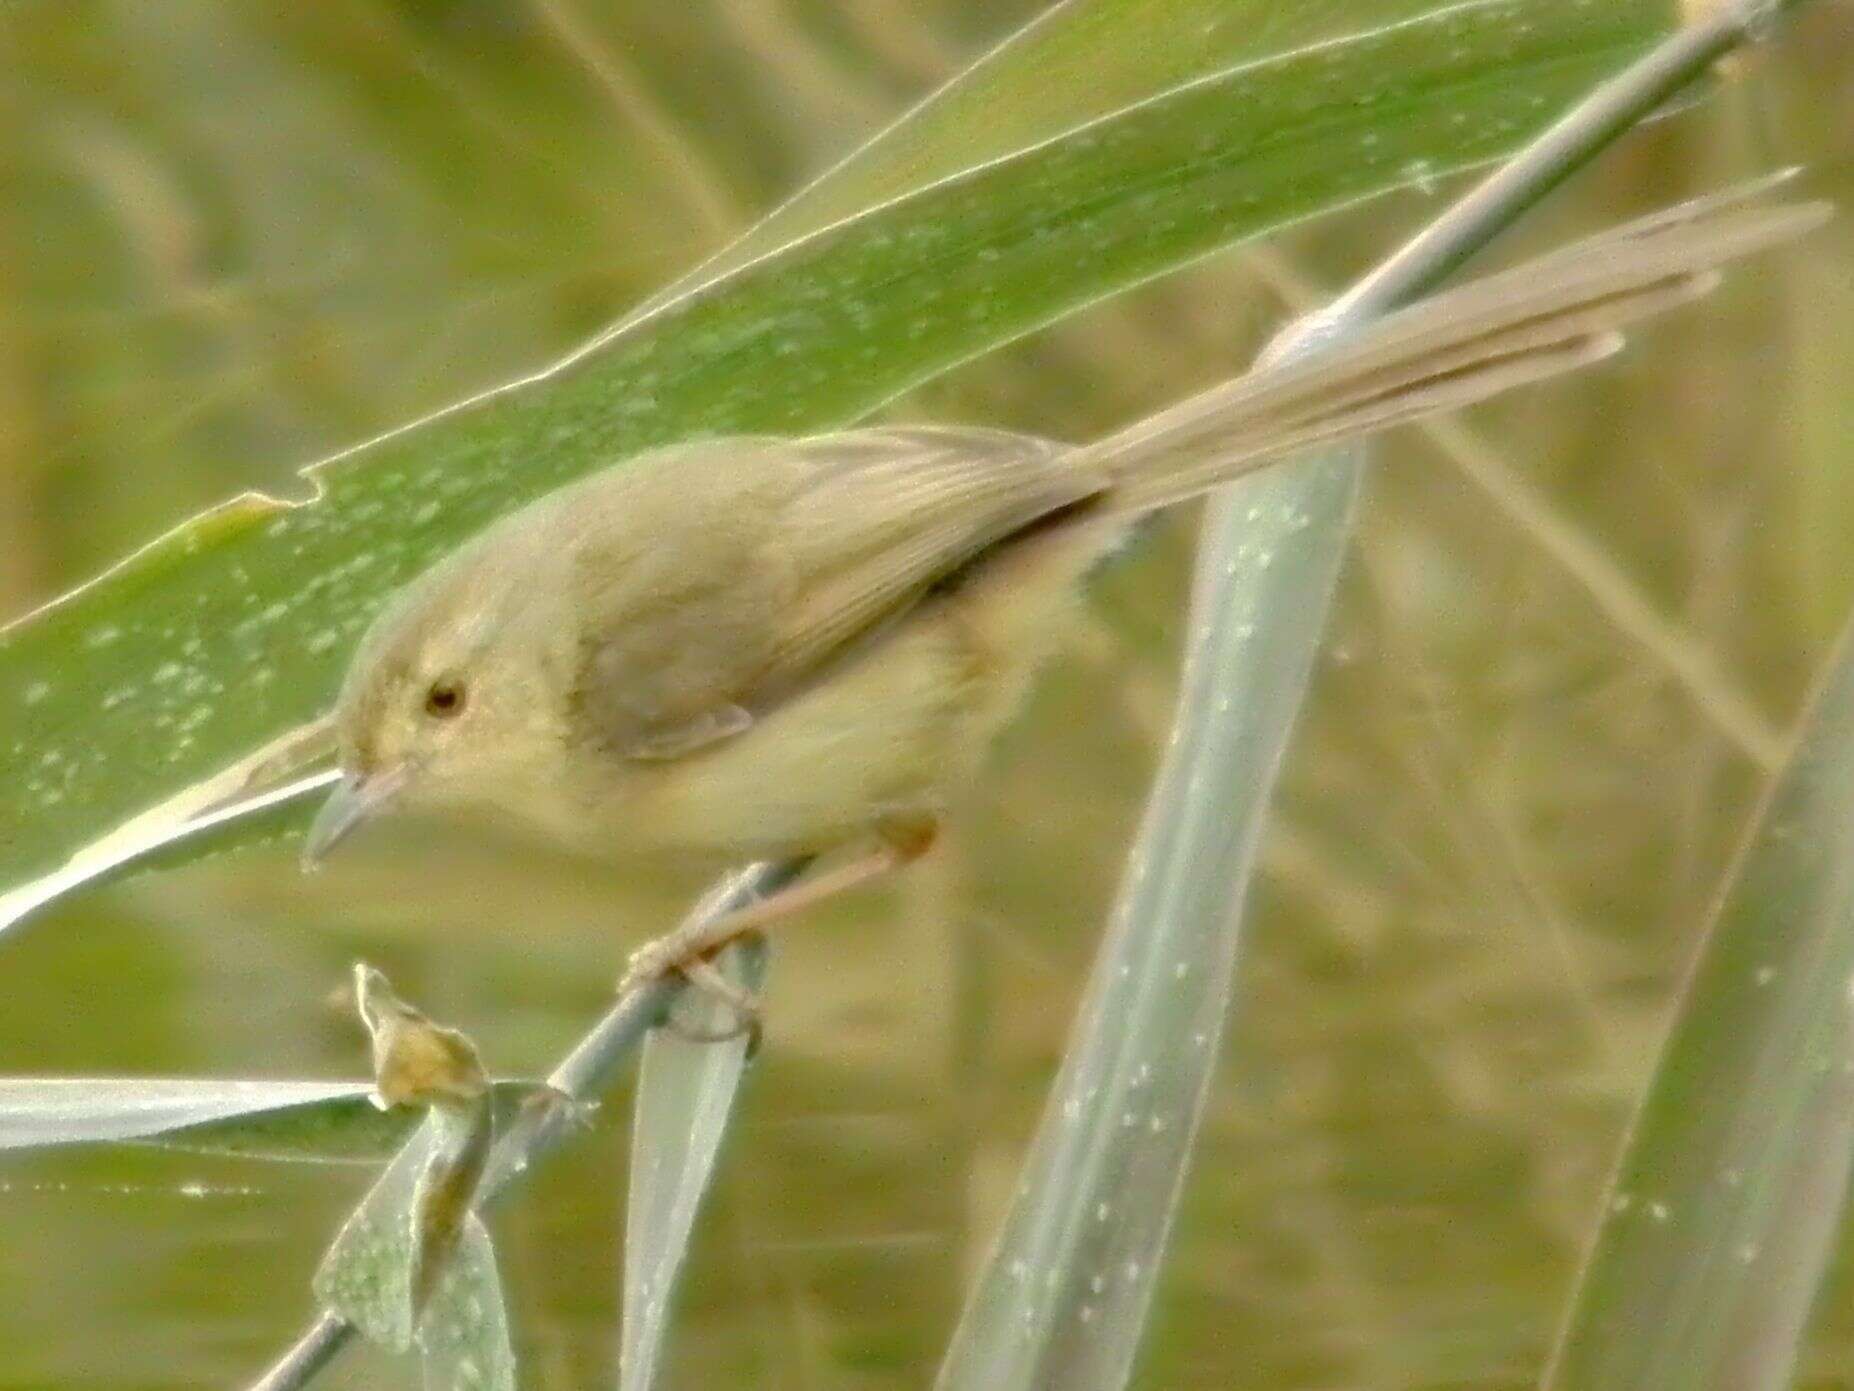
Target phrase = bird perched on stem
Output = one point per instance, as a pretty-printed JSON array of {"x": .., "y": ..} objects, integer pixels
[{"x": 748, "y": 648}]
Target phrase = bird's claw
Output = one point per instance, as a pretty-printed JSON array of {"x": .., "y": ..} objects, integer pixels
[
  {"x": 650, "y": 963},
  {"x": 657, "y": 960},
  {"x": 746, "y": 1022}
]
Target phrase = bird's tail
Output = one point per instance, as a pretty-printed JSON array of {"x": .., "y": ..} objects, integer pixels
[{"x": 1550, "y": 315}]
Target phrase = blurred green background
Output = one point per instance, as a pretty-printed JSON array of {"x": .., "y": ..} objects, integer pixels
[{"x": 236, "y": 235}]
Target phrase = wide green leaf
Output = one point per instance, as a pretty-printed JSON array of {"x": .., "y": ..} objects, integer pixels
[
  {"x": 1077, "y": 61},
  {"x": 231, "y": 632},
  {"x": 1727, "y": 1202}
]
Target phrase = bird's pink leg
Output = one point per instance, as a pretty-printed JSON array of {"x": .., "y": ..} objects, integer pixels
[{"x": 688, "y": 949}]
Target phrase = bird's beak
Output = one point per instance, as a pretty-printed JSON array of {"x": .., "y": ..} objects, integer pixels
[{"x": 353, "y": 800}]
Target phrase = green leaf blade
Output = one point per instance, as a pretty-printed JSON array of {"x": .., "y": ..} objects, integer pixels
[
  {"x": 1062, "y": 1300},
  {"x": 41, "y": 1112},
  {"x": 1729, "y": 1195},
  {"x": 288, "y": 1121},
  {"x": 1075, "y": 62}
]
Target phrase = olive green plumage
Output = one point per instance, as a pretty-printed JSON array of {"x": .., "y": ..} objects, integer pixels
[{"x": 745, "y": 647}]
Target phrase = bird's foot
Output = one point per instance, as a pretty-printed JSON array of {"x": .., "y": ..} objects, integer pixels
[{"x": 666, "y": 957}]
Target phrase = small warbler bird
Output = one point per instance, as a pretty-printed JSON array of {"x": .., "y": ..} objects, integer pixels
[{"x": 750, "y": 648}]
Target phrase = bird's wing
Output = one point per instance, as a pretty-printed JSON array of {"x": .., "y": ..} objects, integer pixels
[
  {"x": 886, "y": 516},
  {"x": 803, "y": 550}
]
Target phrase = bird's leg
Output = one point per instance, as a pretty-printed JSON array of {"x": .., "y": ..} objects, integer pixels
[
  {"x": 687, "y": 950},
  {"x": 689, "y": 944}
]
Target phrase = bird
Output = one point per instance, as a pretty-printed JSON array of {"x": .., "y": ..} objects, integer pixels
[{"x": 746, "y": 648}]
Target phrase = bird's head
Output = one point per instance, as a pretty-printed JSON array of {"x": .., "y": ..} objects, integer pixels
[{"x": 452, "y": 699}]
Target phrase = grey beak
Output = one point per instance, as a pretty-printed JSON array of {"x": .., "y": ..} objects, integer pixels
[{"x": 350, "y": 802}]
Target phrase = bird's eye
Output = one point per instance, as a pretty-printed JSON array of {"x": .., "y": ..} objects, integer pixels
[{"x": 445, "y": 699}]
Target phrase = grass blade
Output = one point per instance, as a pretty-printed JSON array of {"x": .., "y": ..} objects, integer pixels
[
  {"x": 1729, "y": 1194},
  {"x": 685, "y": 1093},
  {"x": 352, "y": 1130},
  {"x": 38, "y": 1112},
  {"x": 1063, "y": 1297},
  {"x": 318, "y": 1122},
  {"x": 231, "y": 631}
]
